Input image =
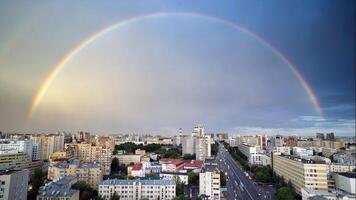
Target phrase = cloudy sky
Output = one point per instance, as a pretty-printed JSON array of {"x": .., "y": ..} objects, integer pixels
[{"x": 225, "y": 64}]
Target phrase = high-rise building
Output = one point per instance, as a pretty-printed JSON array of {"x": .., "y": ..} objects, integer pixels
[
  {"x": 151, "y": 189},
  {"x": 14, "y": 184},
  {"x": 202, "y": 147},
  {"x": 198, "y": 144},
  {"x": 262, "y": 141},
  {"x": 49, "y": 143},
  {"x": 209, "y": 181},
  {"x": 320, "y": 136},
  {"x": 330, "y": 136},
  {"x": 302, "y": 173},
  {"x": 188, "y": 145},
  {"x": 198, "y": 131},
  {"x": 277, "y": 141},
  {"x": 91, "y": 153}
]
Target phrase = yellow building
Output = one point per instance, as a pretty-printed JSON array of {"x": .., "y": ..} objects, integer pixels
[
  {"x": 49, "y": 143},
  {"x": 301, "y": 173},
  {"x": 91, "y": 153},
  {"x": 14, "y": 161},
  {"x": 87, "y": 172}
]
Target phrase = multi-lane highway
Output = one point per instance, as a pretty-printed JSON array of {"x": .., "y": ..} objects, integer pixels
[{"x": 239, "y": 186}]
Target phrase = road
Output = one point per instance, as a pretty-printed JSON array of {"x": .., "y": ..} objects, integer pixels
[{"x": 239, "y": 186}]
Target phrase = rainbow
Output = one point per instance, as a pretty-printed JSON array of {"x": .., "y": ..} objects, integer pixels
[{"x": 86, "y": 42}]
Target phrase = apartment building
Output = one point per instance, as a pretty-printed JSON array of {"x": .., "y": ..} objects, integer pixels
[
  {"x": 202, "y": 147},
  {"x": 302, "y": 173},
  {"x": 88, "y": 172},
  {"x": 127, "y": 159},
  {"x": 277, "y": 141},
  {"x": 14, "y": 184},
  {"x": 14, "y": 160},
  {"x": 24, "y": 146},
  {"x": 59, "y": 190},
  {"x": 151, "y": 189},
  {"x": 209, "y": 180},
  {"x": 91, "y": 153},
  {"x": 49, "y": 143},
  {"x": 337, "y": 167}
]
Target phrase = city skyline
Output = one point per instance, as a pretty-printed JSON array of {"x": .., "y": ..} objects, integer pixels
[{"x": 242, "y": 68}]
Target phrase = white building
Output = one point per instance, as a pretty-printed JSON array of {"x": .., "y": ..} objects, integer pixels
[
  {"x": 203, "y": 147},
  {"x": 308, "y": 194},
  {"x": 247, "y": 150},
  {"x": 259, "y": 159},
  {"x": 151, "y": 189},
  {"x": 276, "y": 141},
  {"x": 345, "y": 182},
  {"x": 209, "y": 181},
  {"x": 36, "y": 151},
  {"x": 302, "y": 152},
  {"x": 278, "y": 150},
  {"x": 14, "y": 184},
  {"x": 188, "y": 145},
  {"x": 24, "y": 146},
  {"x": 181, "y": 176}
]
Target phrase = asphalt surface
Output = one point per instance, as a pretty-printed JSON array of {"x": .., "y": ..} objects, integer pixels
[{"x": 239, "y": 186}]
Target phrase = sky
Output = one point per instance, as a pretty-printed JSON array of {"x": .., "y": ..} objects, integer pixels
[{"x": 225, "y": 64}]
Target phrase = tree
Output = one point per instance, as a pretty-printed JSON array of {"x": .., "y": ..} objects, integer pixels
[
  {"x": 222, "y": 179},
  {"x": 37, "y": 180},
  {"x": 179, "y": 187},
  {"x": 86, "y": 192},
  {"x": 115, "y": 196},
  {"x": 284, "y": 193},
  {"x": 114, "y": 168},
  {"x": 354, "y": 170},
  {"x": 214, "y": 148},
  {"x": 189, "y": 156},
  {"x": 192, "y": 178}
]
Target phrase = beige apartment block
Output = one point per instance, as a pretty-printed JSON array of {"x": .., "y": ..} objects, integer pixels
[{"x": 301, "y": 173}]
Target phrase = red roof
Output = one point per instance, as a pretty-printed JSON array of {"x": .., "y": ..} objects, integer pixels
[
  {"x": 196, "y": 164},
  {"x": 137, "y": 166},
  {"x": 171, "y": 161}
]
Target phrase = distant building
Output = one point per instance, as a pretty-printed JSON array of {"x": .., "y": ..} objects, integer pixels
[
  {"x": 203, "y": 147},
  {"x": 188, "y": 145},
  {"x": 277, "y": 141},
  {"x": 330, "y": 136},
  {"x": 151, "y": 189},
  {"x": 128, "y": 159},
  {"x": 49, "y": 143},
  {"x": 14, "y": 184},
  {"x": 320, "y": 136}
]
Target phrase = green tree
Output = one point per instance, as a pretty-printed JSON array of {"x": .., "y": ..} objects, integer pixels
[
  {"x": 214, "y": 148},
  {"x": 86, "y": 192},
  {"x": 354, "y": 170},
  {"x": 222, "y": 179},
  {"x": 284, "y": 193},
  {"x": 189, "y": 156},
  {"x": 179, "y": 187},
  {"x": 37, "y": 180},
  {"x": 192, "y": 178},
  {"x": 115, "y": 196},
  {"x": 114, "y": 168}
]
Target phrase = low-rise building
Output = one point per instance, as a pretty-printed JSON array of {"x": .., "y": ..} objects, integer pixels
[
  {"x": 310, "y": 194},
  {"x": 345, "y": 182},
  {"x": 171, "y": 165},
  {"x": 151, "y": 189},
  {"x": 136, "y": 170},
  {"x": 14, "y": 184},
  {"x": 128, "y": 159},
  {"x": 180, "y": 176},
  {"x": 302, "y": 173},
  {"x": 336, "y": 167},
  {"x": 59, "y": 190}
]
